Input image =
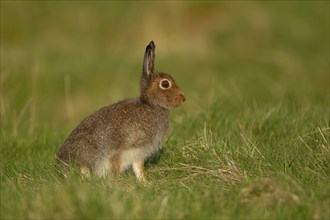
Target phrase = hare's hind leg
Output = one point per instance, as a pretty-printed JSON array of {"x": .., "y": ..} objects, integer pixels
[
  {"x": 138, "y": 168},
  {"x": 115, "y": 166}
]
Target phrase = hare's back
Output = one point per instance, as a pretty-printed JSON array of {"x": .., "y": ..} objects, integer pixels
[{"x": 129, "y": 124}]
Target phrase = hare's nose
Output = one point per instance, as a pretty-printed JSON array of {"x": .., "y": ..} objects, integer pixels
[{"x": 182, "y": 96}]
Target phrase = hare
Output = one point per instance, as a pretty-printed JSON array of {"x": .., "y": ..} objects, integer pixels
[{"x": 126, "y": 133}]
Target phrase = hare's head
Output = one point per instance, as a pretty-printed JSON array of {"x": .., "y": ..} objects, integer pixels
[{"x": 158, "y": 88}]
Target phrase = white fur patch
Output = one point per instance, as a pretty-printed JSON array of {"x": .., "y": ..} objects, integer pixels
[
  {"x": 127, "y": 158},
  {"x": 102, "y": 168},
  {"x": 131, "y": 156}
]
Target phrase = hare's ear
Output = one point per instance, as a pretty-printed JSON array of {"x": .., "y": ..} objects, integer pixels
[{"x": 149, "y": 60}]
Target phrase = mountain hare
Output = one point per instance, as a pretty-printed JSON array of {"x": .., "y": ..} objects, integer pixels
[{"x": 124, "y": 134}]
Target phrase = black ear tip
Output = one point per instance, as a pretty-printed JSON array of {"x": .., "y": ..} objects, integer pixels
[{"x": 152, "y": 44}]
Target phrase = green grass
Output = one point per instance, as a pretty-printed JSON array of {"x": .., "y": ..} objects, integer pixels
[{"x": 251, "y": 142}]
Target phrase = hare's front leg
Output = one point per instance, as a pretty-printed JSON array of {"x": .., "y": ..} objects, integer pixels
[
  {"x": 84, "y": 171},
  {"x": 138, "y": 168}
]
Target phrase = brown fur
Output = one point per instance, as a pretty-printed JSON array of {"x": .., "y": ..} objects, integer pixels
[{"x": 125, "y": 133}]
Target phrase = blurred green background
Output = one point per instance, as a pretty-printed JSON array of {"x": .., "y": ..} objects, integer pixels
[{"x": 62, "y": 60}]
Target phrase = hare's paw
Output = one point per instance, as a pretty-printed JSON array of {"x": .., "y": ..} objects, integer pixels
[{"x": 138, "y": 168}]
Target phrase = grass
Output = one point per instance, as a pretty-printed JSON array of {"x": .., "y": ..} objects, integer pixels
[{"x": 251, "y": 142}]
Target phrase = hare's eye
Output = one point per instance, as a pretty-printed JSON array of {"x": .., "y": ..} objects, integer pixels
[{"x": 165, "y": 84}]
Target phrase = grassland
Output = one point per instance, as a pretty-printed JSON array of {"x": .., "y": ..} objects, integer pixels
[{"x": 251, "y": 142}]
